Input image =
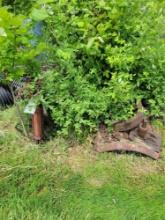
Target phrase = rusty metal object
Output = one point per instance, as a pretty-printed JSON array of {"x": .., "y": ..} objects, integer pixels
[
  {"x": 37, "y": 124},
  {"x": 123, "y": 145},
  {"x": 142, "y": 130},
  {"x": 148, "y": 135},
  {"x": 129, "y": 124},
  {"x": 135, "y": 135}
]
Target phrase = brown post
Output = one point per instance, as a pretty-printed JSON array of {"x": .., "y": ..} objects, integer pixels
[{"x": 37, "y": 124}]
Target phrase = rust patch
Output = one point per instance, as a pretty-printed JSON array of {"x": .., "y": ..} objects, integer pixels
[{"x": 135, "y": 135}]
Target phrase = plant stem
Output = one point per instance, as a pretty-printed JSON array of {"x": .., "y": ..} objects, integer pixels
[
  {"x": 19, "y": 112},
  {"x": 11, "y": 88}
]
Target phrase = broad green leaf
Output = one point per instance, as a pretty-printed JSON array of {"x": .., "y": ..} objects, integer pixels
[
  {"x": 39, "y": 14},
  {"x": 66, "y": 55},
  {"x": 3, "y": 32},
  {"x": 102, "y": 3},
  {"x": 45, "y": 1},
  {"x": 90, "y": 42}
]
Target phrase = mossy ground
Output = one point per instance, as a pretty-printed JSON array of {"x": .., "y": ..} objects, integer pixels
[{"x": 52, "y": 181}]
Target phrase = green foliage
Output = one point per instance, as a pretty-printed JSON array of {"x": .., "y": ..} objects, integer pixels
[
  {"x": 79, "y": 106},
  {"x": 19, "y": 6},
  {"x": 107, "y": 55},
  {"x": 17, "y": 53}
]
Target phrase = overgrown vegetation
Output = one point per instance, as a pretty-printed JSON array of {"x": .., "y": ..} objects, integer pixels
[
  {"x": 18, "y": 44},
  {"x": 93, "y": 62},
  {"x": 106, "y": 57}
]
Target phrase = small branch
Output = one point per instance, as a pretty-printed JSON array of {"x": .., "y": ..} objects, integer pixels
[{"x": 19, "y": 112}]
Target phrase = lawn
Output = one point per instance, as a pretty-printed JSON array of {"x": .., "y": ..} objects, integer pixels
[{"x": 51, "y": 181}]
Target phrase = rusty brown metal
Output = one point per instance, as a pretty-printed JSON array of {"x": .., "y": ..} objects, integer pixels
[
  {"x": 134, "y": 135},
  {"x": 37, "y": 124},
  {"x": 142, "y": 130},
  {"x": 129, "y": 124},
  {"x": 123, "y": 145}
]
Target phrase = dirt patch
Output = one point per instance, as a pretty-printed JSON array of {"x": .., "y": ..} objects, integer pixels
[
  {"x": 79, "y": 158},
  {"x": 96, "y": 182}
]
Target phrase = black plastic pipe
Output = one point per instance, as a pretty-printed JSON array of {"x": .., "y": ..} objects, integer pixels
[{"x": 5, "y": 96}]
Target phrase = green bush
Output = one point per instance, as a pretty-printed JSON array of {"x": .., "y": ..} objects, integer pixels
[
  {"x": 108, "y": 55},
  {"x": 17, "y": 51}
]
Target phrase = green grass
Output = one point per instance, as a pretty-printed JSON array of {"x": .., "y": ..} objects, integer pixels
[{"x": 53, "y": 182}]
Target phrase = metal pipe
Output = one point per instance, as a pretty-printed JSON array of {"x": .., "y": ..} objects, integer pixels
[{"x": 37, "y": 124}]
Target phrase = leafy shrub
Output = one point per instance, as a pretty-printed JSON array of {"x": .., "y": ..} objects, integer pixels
[
  {"x": 108, "y": 55},
  {"x": 17, "y": 53},
  {"x": 79, "y": 106},
  {"x": 18, "y": 6}
]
